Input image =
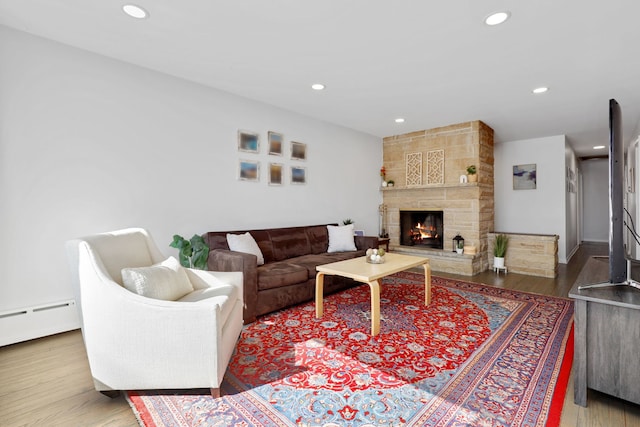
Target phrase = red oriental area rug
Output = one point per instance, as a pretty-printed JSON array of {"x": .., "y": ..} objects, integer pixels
[{"x": 477, "y": 355}]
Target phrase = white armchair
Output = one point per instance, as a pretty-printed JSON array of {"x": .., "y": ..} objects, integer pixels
[{"x": 134, "y": 342}]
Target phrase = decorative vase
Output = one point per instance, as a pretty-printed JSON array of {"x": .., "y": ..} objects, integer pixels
[
  {"x": 384, "y": 183},
  {"x": 472, "y": 178},
  {"x": 460, "y": 251},
  {"x": 498, "y": 262}
]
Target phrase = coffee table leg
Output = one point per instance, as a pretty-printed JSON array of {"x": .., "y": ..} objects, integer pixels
[
  {"x": 375, "y": 307},
  {"x": 319, "y": 294},
  {"x": 427, "y": 284}
]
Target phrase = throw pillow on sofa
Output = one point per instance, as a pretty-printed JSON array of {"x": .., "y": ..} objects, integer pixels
[
  {"x": 341, "y": 238},
  {"x": 166, "y": 280},
  {"x": 245, "y": 243}
]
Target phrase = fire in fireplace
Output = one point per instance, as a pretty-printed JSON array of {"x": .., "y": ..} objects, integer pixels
[{"x": 421, "y": 228}]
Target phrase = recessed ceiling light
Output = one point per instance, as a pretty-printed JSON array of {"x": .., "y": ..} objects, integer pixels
[
  {"x": 317, "y": 86},
  {"x": 497, "y": 18},
  {"x": 598, "y": 147},
  {"x": 399, "y": 120},
  {"x": 135, "y": 11},
  {"x": 542, "y": 89}
]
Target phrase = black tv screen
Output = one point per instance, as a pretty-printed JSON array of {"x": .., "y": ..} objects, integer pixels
[{"x": 617, "y": 260}]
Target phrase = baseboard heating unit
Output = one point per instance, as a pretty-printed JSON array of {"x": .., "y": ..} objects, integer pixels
[{"x": 24, "y": 324}]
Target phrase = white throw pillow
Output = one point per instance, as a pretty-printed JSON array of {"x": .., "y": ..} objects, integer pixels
[
  {"x": 245, "y": 243},
  {"x": 341, "y": 238},
  {"x": 166, "y": 280}
]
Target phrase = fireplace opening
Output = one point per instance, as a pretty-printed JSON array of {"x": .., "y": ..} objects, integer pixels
[{"x": 421, "y": 228}]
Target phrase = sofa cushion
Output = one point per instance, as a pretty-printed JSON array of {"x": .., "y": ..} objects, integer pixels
[
  {"x": 289, "y": 242},
  {"x": 217, "y": 239},
  {"x": 341, "y": 238},
  {"x": 223, "y": 295},
  {"x": 310, "y": 262},
  {"x": 318, "y": 236},
  {"x": 166, "y": 280},
  {"x": 245, "y": 243},
  {"x": 341, "y": 256},
  {"x": 278, "y": 274}
]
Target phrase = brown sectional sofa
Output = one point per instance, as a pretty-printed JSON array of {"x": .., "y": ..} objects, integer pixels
[{"x": 288, "y": 274}]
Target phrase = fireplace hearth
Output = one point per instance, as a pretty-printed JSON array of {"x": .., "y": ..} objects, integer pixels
[{"x": 421, "y": 229}]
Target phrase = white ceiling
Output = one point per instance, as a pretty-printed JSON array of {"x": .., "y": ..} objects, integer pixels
[{"x": 434, "y": 63}]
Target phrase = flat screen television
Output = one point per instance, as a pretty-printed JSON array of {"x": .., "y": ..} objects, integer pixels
[
  {"x": 620, "y": 220},
  {"x": 617, "y": 189}
]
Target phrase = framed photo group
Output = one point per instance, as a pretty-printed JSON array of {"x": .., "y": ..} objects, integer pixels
[{"x": 249, "y": 170}]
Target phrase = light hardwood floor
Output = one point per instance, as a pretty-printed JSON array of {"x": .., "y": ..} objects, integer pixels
[{"x": 46, "y": 382}]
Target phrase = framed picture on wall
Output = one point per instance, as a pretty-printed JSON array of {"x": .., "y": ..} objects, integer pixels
[
  {"x": 298, "y": 151},
  {"x": 248, "y": 142},
  {"x": 298, "y": 175},
  {"x": 275, "y": 143},
  {"x": 276, "y": 174},
  {"x": 249, "y": 170},
  {"x": 524, "y": 177}
]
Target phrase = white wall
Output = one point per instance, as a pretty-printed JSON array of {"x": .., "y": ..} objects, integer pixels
[
  {"x": 89, "y": 144},
  {"x": 633, "y": 196},
  {"x": 595, "y": 186},
  {"x": 572, "y": 242},
  {"x": 539, "y": 211}
]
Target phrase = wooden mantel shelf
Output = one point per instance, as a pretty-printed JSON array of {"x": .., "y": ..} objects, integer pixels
[{"x": 430, "y": 186}]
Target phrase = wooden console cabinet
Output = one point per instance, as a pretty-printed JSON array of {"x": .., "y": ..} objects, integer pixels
[{"x": 606, "y": 336}]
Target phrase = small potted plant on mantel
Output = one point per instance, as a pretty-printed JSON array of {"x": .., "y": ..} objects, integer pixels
[
  {"x": 471, "y": 173},
  {"x": 499, "y": 250}
]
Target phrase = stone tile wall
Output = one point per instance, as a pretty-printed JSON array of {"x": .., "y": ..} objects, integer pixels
[{"x": 531, "y": 254}]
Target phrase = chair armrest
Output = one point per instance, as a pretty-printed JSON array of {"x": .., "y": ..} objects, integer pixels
[
  {"x": 366, "y": 242},
  {"x": 222, "y": 260},
  {"x": 201, "y": 279}
]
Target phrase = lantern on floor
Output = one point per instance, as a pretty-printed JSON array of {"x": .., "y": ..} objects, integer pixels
[{"x": 458, "y": 242}]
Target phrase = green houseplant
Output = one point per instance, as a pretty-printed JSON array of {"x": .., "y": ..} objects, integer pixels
[
  {"x": 347, "y": 221},
  {"x": 471, "y": 173},
  {"x": 192, "y": 253},
  {"x": 499, "y": 249}
]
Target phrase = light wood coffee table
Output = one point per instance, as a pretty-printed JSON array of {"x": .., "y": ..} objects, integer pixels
[{"x": 360, "y": 270}]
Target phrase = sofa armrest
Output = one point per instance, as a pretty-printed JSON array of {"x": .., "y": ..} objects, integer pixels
[
  {"x": 366, "y": 242},
  {"x": 226, "y": 260}
]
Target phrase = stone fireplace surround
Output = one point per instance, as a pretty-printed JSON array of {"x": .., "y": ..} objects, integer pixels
[{"x": 467, "y": 207}]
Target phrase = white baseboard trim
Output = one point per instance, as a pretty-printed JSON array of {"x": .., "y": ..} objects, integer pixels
[
  {"x": 571, "y": 254},
  {"x": 28, "y": 323}
]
